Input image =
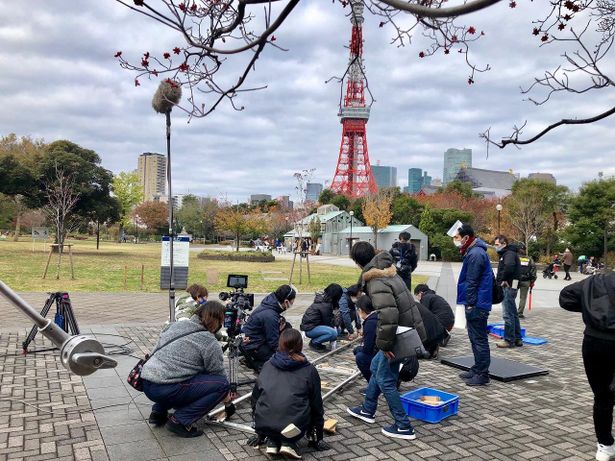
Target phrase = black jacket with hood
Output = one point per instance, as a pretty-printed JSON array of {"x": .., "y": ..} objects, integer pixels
[
  {"x": 439, "y": 307},
  {"x": 591, "y": 297},
  {"x": 263, "y": 326},
  {"x": 392, "y": 299},
  {"x": 509, "y": 267},
  {"x": 319, "y": 313},
  {"x": 287, "y": 391},
  {"x": 405, "y": 257}
]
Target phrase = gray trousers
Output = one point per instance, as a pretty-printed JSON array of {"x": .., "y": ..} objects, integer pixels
[{"x": 524, "y": 288}]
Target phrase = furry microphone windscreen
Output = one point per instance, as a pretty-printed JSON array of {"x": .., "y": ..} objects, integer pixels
[{"x": 167, "y": 95}]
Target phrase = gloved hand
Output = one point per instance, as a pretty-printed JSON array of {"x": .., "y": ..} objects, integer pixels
[{"x": 256, "y": 441}]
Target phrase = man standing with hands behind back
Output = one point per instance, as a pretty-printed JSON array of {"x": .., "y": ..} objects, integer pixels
[{"x": 509, "y": 271}]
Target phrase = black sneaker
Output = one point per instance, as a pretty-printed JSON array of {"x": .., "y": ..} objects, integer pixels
[
  {"x": 521, "y": 316},
  {"x": 157, "y": 418},
  {"x": 317, "y": 347},
  {"x": 182, "y": 431},
  {"x": 519, "y": 343},
  {"x": 290, "y": 450},
  {"x": 273, "y": 447},
  {"x": 466, "y": 374}
]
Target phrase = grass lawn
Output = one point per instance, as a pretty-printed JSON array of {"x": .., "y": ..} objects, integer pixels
[{"x": 22, "y": 266}]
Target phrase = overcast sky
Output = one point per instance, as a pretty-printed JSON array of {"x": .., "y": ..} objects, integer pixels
[{"x": 59, "y": 80}]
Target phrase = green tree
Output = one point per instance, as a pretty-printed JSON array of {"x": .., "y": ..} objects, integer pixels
[
  {"x": 18, "y": 183},
  {"x": 154, "y": 215},
  {"x": 435, "y": 223},
  {"x": 129, "y": 193},
  {"x": 459, "y": 187},
  {"x": 326, "y": 196},
  {"x": 239, "y": 222},
  {"x": 592, "y": 218},
  {"x": 314, "y": 229},
  {"x": 106, "y": 212},
  {"x": 405, "y": 209}
]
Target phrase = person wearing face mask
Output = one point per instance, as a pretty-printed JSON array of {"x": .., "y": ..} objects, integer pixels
[
  {"x": 186, "y": 372},
  {"x": 475, "y": 291},
  {"x": 509, "y": 272},
  {"x": 262, "y": 330}
]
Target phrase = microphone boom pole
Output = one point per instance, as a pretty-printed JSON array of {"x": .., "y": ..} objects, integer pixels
[{"x": 168, "y": 95}]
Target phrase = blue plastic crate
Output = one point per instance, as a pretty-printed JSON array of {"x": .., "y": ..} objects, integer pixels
[
  {"x": 429, "y": 413},
  {"x": 498, "y": 329}
]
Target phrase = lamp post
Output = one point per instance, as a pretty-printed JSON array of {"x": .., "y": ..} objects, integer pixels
[
  {"x": 351, "y": 219},
  {"x": 499, "y": 207}
]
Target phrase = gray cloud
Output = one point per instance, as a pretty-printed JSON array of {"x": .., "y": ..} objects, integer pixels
[{"x": 60, "y": 80}]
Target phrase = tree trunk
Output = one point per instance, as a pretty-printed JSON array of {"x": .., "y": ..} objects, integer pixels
[
  {"x": 119, "y": 235},
  {"x": 527, "y": 245},
  {"x": 237, "y": 242},
  {"x": 375, "y": 239},
  {"x": 17, "y": 225},
  {"x": 97, "y": 234}
]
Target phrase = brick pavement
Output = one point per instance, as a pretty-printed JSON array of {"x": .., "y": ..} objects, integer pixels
[{"x": 546, "y": 418}]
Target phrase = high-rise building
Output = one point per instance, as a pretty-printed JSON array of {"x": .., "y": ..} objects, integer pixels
[
  {"x": 454, "y": 160},
  {"x": 385, "y": 176},
  {"x": 255, "y": 199},
  {"x": 415, "y": 180},
  {"x": 426, "y": 181},
  {"x": 312, "y": 191},
  {"x": 285, "y": 202},
  {"x": 152, "y": 169},
  {"x": 548, "y": 177}
]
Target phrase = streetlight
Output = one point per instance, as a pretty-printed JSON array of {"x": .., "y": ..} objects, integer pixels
[
  {"x": 499, "y": 207},
  {"x": 351, "y": 218}
]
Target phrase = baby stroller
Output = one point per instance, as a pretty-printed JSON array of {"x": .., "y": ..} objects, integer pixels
[{"x": 551, "y": 270}]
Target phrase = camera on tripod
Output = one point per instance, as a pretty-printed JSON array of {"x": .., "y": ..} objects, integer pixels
[{"x": 240, "y": 303}]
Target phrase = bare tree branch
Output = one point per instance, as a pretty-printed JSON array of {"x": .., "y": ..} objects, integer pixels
[{"x": 431, "y": 12}]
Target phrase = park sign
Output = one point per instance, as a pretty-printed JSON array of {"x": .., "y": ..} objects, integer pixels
[
  {"x": 40, "y": 233},
  {"x": 181, "y": 258}
]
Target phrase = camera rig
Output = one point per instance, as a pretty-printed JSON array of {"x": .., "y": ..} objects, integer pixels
[{"x": 239, "y": 303}]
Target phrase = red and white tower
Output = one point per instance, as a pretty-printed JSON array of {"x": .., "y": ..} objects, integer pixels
[{"x": 353, "y": 174}]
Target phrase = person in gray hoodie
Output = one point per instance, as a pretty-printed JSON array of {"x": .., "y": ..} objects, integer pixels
[{"x": 186, "y": 371}]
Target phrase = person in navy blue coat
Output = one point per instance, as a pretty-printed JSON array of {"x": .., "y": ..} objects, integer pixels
[
  {"x": 365, "y": 353},
  {"x": 475, "y": 292},
  {"x": 262, "y": 330}
]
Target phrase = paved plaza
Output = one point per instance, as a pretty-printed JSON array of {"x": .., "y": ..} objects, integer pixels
[{"x": 45, "y": 413}]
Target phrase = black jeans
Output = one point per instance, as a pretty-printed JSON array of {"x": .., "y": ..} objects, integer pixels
[
  {"x": 476, "y": 321},
  {"x": 599, "y": 361},
  {"x": 256, "y": 358},
  {"x": 567, "y": 270}
]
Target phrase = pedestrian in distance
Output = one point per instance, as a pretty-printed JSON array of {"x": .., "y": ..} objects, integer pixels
[
  {"x": 594, "y": 297},
  {"x": 567, "y": 258},
  {"x": 509, "y": 272},
  {"x": 396, "y": 307},
  {"x": 475, "y": 292},
  {"x": 527, "y": 278},
  {"x": 405, "y": 257}
]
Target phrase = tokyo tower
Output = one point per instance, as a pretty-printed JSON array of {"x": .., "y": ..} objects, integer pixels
[{"x": 353, "y": 174}]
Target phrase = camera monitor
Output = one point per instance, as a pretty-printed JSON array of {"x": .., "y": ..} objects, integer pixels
[{"x": 237, "y": 281}]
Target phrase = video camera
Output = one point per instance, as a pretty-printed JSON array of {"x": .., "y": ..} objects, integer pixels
[{"x": 240, "y": 302}]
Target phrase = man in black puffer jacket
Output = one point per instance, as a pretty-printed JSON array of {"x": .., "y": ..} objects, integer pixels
[
  {"x": 509, "y": 271},
  {"x": 436, "y": 304},
  {"x": 396, "y": 307},
  {"x": 262, "y": 330}
]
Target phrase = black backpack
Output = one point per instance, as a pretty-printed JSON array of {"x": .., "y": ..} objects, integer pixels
[
  {"x": 497, "y": 295},
  {"x": 599, "y": 294}
]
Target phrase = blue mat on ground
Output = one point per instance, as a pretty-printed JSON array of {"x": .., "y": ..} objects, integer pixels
[{"x": 534, "y": 341}]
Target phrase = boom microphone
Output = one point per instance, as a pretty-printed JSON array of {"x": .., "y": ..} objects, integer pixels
[{"x": 167, "y": 95}]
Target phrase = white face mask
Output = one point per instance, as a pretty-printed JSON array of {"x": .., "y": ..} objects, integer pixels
[{"x": 458, "y": 243}]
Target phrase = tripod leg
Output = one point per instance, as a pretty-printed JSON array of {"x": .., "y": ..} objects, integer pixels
[
  {"x": 48, "y": 261},
  {"x": 292, "y": 268},
  {"x": 70, "y": 316},
  {"x": 34, "y": 329}
]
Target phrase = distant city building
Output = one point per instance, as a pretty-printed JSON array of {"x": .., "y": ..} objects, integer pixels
[
  {"x": 489, "y": 183},
  {"x": 152, "y": 170},
  {"x": 385, "y": 176},
  {"x": 436, "y": 182},
  {"x": 417, "y": 178},
  {"x": 547, "y": 177},
  {"x": 312, "y": 191},
  {"x": 255, "y": 199},
  {"x": 454, "y": 159},
  {"x": 285, "y": 202}
]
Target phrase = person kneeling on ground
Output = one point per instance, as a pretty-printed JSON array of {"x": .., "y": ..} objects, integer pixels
[
  {"x": 186, "y": 372},
  {"x": 318, "y": 320},
  {"x": 364, "y": 354},
  {"x": 287, "y": 393},
  {"x": 438, "y": 306},
  {"x": 187, "y": 303},
  {"x": 348, "y": 312},
  {"x": 262, "y": 330}
]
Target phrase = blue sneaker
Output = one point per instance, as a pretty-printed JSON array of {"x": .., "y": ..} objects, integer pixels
[
  {"x": 394, "y": 432},
  {"x": 358, "y": 412}
]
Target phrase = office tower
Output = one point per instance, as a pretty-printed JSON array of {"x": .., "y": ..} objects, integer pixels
[
  {"x": 454, "y": 160},
  {"x": 312, "y": 191},
  {"x": 385, "y": 176}
]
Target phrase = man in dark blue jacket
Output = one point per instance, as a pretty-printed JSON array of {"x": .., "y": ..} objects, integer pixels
[
  {"x": 475, "y": 291},
  {"x": 509, "y": 271},
  {"x": 262, "y": 330},
  {"x": 365, "y": 353}
]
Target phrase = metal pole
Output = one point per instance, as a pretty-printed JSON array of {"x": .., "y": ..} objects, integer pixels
[
  {"x": 350, "y": 243},
  {"x": 499, "y": 211},
  {"x": 170, "y": 203},
  {"x": 340, "y": 385}
]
